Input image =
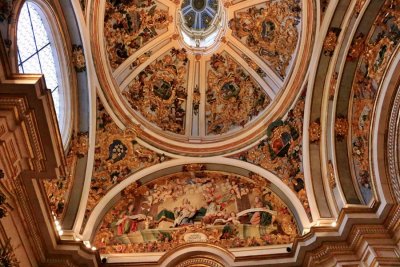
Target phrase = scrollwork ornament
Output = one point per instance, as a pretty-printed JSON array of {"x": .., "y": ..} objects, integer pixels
[
  {"x": 331, "y": 175},
  {"x": 331, "y": 41},
  {"x": 315, "y": 131},
  {"x": 341, "y": 127},
  {"x": 78, "y": 58},
  {"x": 7, "y": 255}
]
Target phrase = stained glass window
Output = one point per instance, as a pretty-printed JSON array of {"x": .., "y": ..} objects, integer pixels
[{"x": 35, "y": 51}]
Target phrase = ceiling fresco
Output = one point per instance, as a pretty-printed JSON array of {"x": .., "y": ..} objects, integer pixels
[
  {"x": 117, "y": 155},
  {"x": 374, "y": 51},
  {"x": 233, "y": 97},
  {"x": 184, "y": 94},
  {"x": 247, "y": 132},
  {"x": 270, "y": 30},
  {"x": 128, "y": 25},
  {"x": 159, "y": 92},
  {"x": 196, "y": 205},
  {"x": 281, "y": 151},
  {"x": 177, "y": 90}
]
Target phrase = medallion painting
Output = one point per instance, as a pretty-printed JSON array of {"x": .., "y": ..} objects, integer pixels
[{"x": 196, "y": 205}]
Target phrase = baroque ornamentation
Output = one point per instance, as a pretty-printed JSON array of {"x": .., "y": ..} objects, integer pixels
[
  {"x": 7, "y": 255},
  {"x": 331, "y": 41},
  {"x": 58, "y": 189},
  {"x": 341, "y": 127},
  {"x": 254, "y": 66},
  {"x": 196, "y": 100},
  {"x": 196, "y": 206},
  {"x": 331, "y": 175},
  {"x": 358, "y": 7},
  {"x": 270, "y": 30},
  {"x": 140, "y": 60},
  {"x": 159, "y": 92},
  {"x": 117, "y": 155},
  {"x": 332, "y": 86},
  {"x": 79, "y": 144},
  {"x": 128, "y": 25},
  {"x": 233, "y": 97},
  {"x": 315, "y": 131},
  {"x": 281, "y": 152},
  {"x": 78, "y": 58},
  {"x": 373, "y": 60},
  {"x": 356, "y": 48}
]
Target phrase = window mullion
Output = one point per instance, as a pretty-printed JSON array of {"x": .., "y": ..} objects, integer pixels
[
  {"x": 34, "y": 38},
  {"x": 35, "y": 53}
]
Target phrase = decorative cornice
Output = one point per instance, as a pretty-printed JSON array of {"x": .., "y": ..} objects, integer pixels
[{"x": 351, "y": 246}]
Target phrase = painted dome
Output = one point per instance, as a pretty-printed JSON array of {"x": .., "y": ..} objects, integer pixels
[{"x": 200, "y": 74}]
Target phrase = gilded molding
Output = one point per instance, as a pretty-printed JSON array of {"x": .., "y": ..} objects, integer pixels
[
  {"x": 379, "y": 47},
  {"x": 331, "y": 175},
  {"x": 393, "y": 146},
  {"x": 200, "y": 261},
  {"x": 331, "y": 41},
  {"x": 315, "y": 131},
  {"x": 78, "y": 58},
  {"x": 27, "y": 213}
]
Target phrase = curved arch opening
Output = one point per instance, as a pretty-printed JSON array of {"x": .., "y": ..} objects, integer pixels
[{"x": 41, "y": 50}]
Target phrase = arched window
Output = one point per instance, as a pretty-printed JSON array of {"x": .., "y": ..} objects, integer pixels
[{"x": 38, "y": 52}]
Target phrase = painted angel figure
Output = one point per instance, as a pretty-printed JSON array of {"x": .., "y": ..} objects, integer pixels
[
  {"x": 184, "y": 214},
  {"x": 128, "y": 222}
]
